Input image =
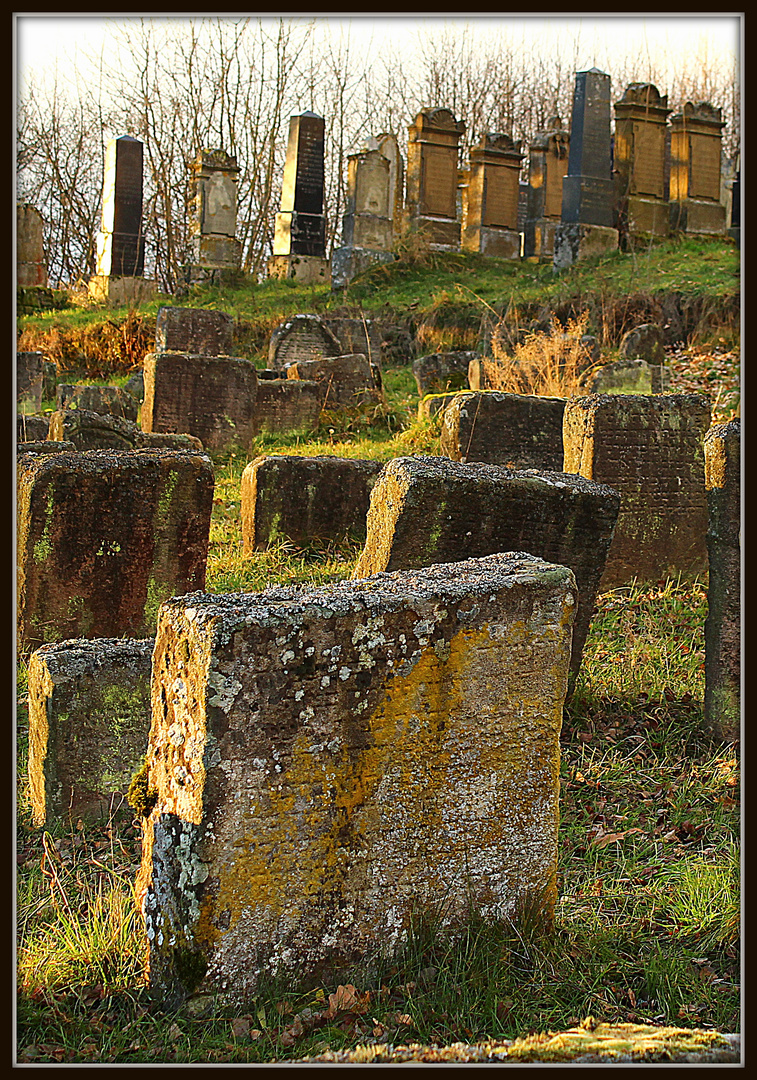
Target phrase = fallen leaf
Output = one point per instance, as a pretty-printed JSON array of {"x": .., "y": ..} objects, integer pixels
[
  {"x": 611, "y": 838},
  {"x": 240, "y": 1027}
]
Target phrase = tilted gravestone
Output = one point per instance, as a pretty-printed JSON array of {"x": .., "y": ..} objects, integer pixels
[
  {"x": 650, "y": 449},
  {"x": 104, "y": 537},
  {"x": 490, "y": 198},
  {"x": 641, "y": 118},
  {"x": 106, "y": 400},
  {"x": 305, "y": 500},
  {"x": 89, "y": 718},
  {"x": 431, "y": 189},
  {"x": 695, "y": 170},
  {"x": 89, "y": 430},
  {"x": 519, "y": 430},
  {"x": 345, "y": 759},
  {"x": 44, "y": 447},
  {"x": 722, "y": 630},
  {"x": 303, "y": 337},
  {"x": 547, "y": 165},
  {"x": 587, "y": 224},
  {"x": 344, "y": 380},
  {"x": 299, "y": 243},
  {"x": 438, "y": 372},
  {"x": 194, "y": 330},
  {"x": 211, "y": 397},
  {"x": 426, "y": 510}
]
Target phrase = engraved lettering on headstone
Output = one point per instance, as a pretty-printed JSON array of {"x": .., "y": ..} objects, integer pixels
[
  {"x": 705, "y": 167},
  {"x": 439, "y": 182}
]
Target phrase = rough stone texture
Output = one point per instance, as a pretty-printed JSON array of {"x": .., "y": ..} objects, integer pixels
[
  {"x": 103, "y": 537},
  {"x": 106, "y": 400},
  {"x": 431, "y": 183},
  {"x": 426, "y": 510},
  {"x": 646, "y": 342},
  {"x": 621, "y": 377},
  {"x": 29, "y": 381},
  {"x": 136, "y": 386},
  {"x": 432, "y": 404},
  {"x": 650, "y": 449},
  {"x": 575, "y": 241},
  {"x": 357, "y": 336},
  {"x": 325, "y": 764},
  {"x": 89, "y": 718},
  {"x": 303, "y": 337},
  {"x": 519, "y": 430},
  {"x": 49, "y": 379},
  {"x": 344, "y": 380},
  {"x": 194, "y": 330},
  {"x": 31, "y": 428},
  {"x": 305, "y": 499},
  {"x": 285, "y": 405},
  {"x": 96, "y": 431},
  {"x": 722, "y": 631},
  {"x": 31, "y": 269},
  {"x": 438, "y": 372},
  {"x": 214, "y": 176},
  {"x": 44, "y": 447},
  {"x": 210, "y": 397}
]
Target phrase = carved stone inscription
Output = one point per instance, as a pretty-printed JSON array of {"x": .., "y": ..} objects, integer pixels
[
  {"x": 704, "y": 180},
  {"x": 649, "y": 160},
  {"x": 500, "y": 198},
  {"x": 438, "y": 181},
  {"x": 308, "y": 197}
]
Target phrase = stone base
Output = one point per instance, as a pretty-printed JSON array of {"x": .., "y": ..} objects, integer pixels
[
  {"x": 647, "y": 217},
  {"x": 494, "y": 243},
  {"x": 698, "y": 216},
  {"x": 30, "y": 274},
  {"x": 442, "y": 234},
  {"x": 347, "y": 262},
  {"x": 307, "y": 269},
  {"x": 217, "y": 252},
  {"x": 574, "y": 242},
  {"x": 539, "y": 239},
  {"x": 116, "y": 291}
]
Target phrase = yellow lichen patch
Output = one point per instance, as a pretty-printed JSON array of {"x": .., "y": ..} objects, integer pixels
[{"x": 40, "y": 689}]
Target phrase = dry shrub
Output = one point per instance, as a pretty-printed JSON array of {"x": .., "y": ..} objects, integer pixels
[
  {"x": 96, "y": 351},
  {"x": 546, "y": 363}
]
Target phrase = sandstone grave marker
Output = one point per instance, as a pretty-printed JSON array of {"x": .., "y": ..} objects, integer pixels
[
  {"x": 490, "y": 198},
  {"x": 547, "y": 165},
  {"x": 431, "y": 198},
  {"x": 520, "y": 430}
]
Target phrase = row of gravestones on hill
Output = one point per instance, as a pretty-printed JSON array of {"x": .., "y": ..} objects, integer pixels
[
  {"x": 312, "y": 765},
  {"x": 584, "y": 192}
]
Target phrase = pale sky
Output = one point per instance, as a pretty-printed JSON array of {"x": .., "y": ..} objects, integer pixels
[{"x": 44, "y": 40}]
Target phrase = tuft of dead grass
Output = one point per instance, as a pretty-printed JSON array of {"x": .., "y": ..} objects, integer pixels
[{"x": 546, "y": 363}]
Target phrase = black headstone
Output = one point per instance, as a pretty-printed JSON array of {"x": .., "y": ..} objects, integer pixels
[
  {"x": 588, "y": 186},
  {"x": 128, "y": 248}
]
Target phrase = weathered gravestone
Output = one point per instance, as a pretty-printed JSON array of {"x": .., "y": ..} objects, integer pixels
[
  {"x": 647, "y": 342},
  {"x": 89, "y": 430},
  {"x": 29, "y": 381},
  {"x": 490, "y": 198},
  {"x": 367, "y": 226},
  {"x": 31, "y": 428},
  {"x": 31, "y": 269},
  {"x": 587, "y": 223},
  {"x": 299, "y": 243},
  {"x": 303, "y": 337},
  {"x": 432, "y": 404},
  {"x": 305, "y": 499},
  {"x": 547, "y": 165},
  {"x": 695, "y": 170},
  {"x": 620, "y": 377},
  {"x": 287, "y": 405},
  {"x": 431, "y": 196},
  {"x": 426, "y": 510},
  {"x": 641, "y": 119},
  {"x": 214, "y": 176},
  {"x": 356, "y": 336},
  {"x": 344, "y": 380},
  {"x": 43, "y": 447},
  {"x": 722, "y": 631},
  {"x": 650, "y": 449},
  {"x": 194, "y": 330},
  {"x": 327, "y": 764},
  {"x": 438, "y": 372},
  {"x": 89, "y": 718},
  {"x": 211, "y": 397},
  {"x": 106, "y": 400},
  {"x": 520, "y": 430},
  {"x": 120, "y": 242},
  {"x": 103, "y": 537}
]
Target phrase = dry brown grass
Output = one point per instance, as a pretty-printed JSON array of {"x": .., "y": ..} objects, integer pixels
[{"x": 547, "y": 363}]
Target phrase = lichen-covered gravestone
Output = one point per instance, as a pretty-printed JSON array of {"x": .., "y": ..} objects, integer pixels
[
  {"x": 89, "y": 718},
  {"x": 287, "y": 405},
  {"x": 439, "y": 372},
  {"x": 89, "y": 430},
  {"x": 344, "y": 380},
  {"x": 107, "y": 400},
  {"x": 326, "y": 764},
  {"x": 194, "y": 330},
  {"x": 722, "y": 631},
  {"x": 519, "y": 430},
  {"x": 210, "y": 397},
  {"x": 650, "y": 449},
  {"x": 104, "y": 537},
  {"x": 29, "y": 381},
  {"x": 426, "y": 510}
]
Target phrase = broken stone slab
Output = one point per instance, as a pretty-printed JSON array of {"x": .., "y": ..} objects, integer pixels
[
  {"x": 29, "y": 381},
  {"x": 426, "y": 510},
  {"x": 96, "y": 431},
  {"x": 107, "y": 400},
  {"x": 103, "y": 537},
  {"x": 199, "y": 331},
  {"x": 31, "y": 428},
  {"x": 44, "y": 447},
  {"x": 210, "y": 397},
  {"x": 327, "y": 764},
  {"x": 722, "y": 629},
  {"x": 439, "y": 372},
  {"x": 645, "y": 342},
  {"x": 650, "y": 449},
  {"x": 620, "y": 377},
  {"x": 89, "y": 718},
  {"x": 344, "y": 380},
  {"x": 305, "y": 500},
  {"x": 521, "y": 431},
  {"x": 287, "y": 405}
]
